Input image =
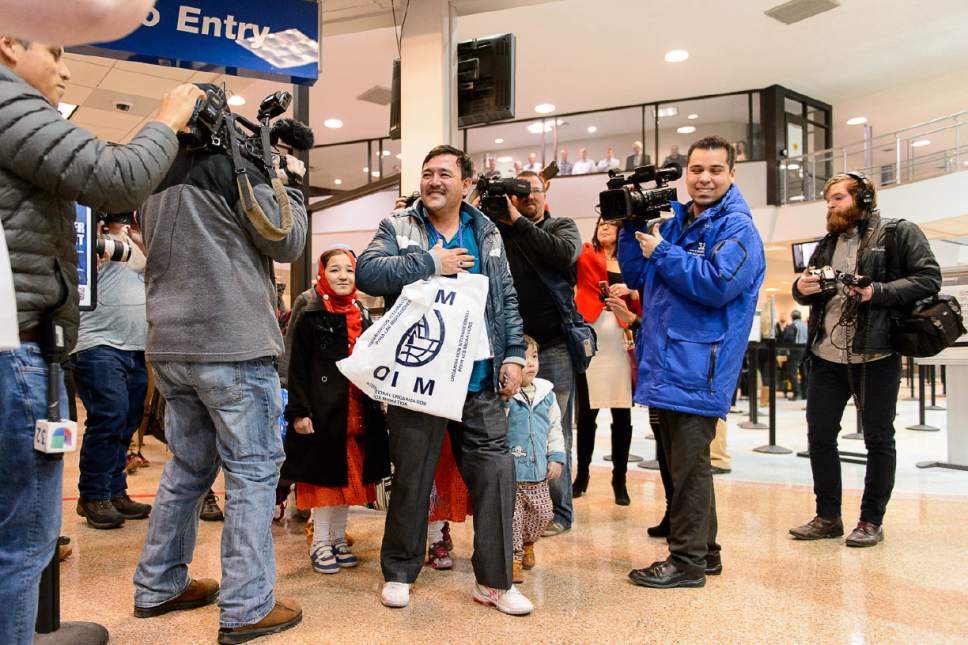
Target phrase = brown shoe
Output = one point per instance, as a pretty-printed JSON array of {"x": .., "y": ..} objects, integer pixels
[
  {"x": 517, "y": 572},
  {"x": 286, "y": 614},
  {"x": 866, "y": 534},
  {"x": 819, "y": 528},
  {"x": 199, "y": 593},
  {"x": 528, "y": 560}
]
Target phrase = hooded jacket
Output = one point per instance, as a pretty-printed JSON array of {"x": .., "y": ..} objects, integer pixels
[
  {"x": 534, "y": 432},
  {"x": 699, "y": 292}
]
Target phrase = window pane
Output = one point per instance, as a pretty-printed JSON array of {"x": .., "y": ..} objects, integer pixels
[
  {"x": 816, "y": 115},
  {"x": 386, "y": 161},
  {"x": 792, "y": 106},
  {"x": 339, "y": 167},
  {"x": 689, "y": 121}
]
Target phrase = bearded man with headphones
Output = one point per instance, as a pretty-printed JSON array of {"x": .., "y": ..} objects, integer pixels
[{"x": 850, "y": 350}]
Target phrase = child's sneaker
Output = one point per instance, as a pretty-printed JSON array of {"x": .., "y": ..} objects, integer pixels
[
  {"x": 439, "y": 557},
  {"x": 344, "y": 557},
  {"x": 528, "y": 560},
  {"x": 279, "y": 513},
  {"x": 517, "y": 572},
  {"x": 445, "y": 537},
  {"x": 323, "y": 559}
]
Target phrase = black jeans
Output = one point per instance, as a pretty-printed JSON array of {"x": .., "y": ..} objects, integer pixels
[
  {"x": 828, "y": 393},
  {"x": 685, "y": 440},
  {"x": 587, "y": 425},
  {"x": 660, "y": 457},
  {"x": 480, "y": 448}
]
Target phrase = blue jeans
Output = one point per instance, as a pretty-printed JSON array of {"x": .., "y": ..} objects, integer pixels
[
  {"x": 112, "y": 383},
  {"x": 30, "y": 491},
  {"x": 554, "y": 364},
  {"x": 217, "y": 414}
]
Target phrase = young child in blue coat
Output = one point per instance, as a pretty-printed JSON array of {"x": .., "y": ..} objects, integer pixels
[{"x": 538, "y": 447}]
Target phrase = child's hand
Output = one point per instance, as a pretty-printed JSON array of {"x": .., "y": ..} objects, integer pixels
[
  {"x": 303, "y": 425},
  {"x": 554, "y": 470}
]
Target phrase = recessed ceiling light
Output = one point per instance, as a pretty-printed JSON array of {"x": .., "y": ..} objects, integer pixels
[
  {"x": 857, "y": 120},
  {"x": 499, "y": 141},
  {"x": 337, "y": 181},
  {"x": 797, "y": 198},
  {"x": 592, "y": 129},
  {"x": 66, "y": 109},
  {"x": 367, "y": 169},
  {"x": 560, "y": 122},
  {"x": 686, "y": 129},
  {"x": 693, "y": 116},
  {"x": 676, "y": 56},
  {"x": 399, "y": 155},
  {"x": 236, "y": 100},
  {"x": 504, "y": 159},
  {"x": 386, "y": 153},
  {"x": 667, "y": 111},
  {"x": 793, "y": 166},
  {"x": 544, "y": 108},
  {"x": 333, "y": 123},
  {"x": 375, "y": 173},
  {"x": 920, "y": 143},
  {"x": 538, "y": 128}
]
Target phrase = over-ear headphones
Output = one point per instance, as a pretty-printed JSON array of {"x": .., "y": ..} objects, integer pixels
[{"x": 865, "y": 192}]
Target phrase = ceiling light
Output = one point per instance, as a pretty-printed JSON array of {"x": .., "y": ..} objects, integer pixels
[
  {"x": 66, "y": 109},
  {"x": 964, "y": 163},
  {"x": 676, "y": 56},
  {"x": 920, "y": 143},
  {"x": 504, "y": 160},
  {"x": 538, "y": 128},
  {"x": 772, "y": 290},
  {"x": 686, "y": 129},
  {"x": 367, "y": 169},
  {"x": 857, "y": 120},
  {"x": 669, "y": 110},
  {"x": 592, "y": 129},
  {"x": 560, "y": 122},
  {"x": 544, "y": 108},
  {"x": 333, "y": 123},
  {"x": 375, "y": 173},
  {"x": 236, "y": 100},
  {"x": 499, "y": 141},
  {"x": 797, "y": 198},
  {"x": 337, "y": 181},
  {"x": 793, "y": 166},
  {"x": 386, "y": 153},
  {"x": 399, "y": 155},
  {"x": 693, "y": 116}
]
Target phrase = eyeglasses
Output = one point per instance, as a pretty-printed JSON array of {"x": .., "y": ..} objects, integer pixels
[{"x": 537, "y": 191}]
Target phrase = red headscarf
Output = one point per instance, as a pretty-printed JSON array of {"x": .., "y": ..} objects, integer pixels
[{"x": 340, "y": 304}]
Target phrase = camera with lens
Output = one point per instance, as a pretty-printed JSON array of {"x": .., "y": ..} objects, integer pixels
[
  {"x": 113, "y": 250},
  {"x": 830, "y": 277},
  {"x": 494, "y": 191},
  {"x": 626, "y": 200}
]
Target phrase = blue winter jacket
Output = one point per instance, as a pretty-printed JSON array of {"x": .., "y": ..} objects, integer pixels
[
  {"x": 699, "y": 292},
  {"x": 534, "y": 432}
]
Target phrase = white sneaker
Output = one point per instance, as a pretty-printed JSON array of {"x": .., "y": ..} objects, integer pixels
[
  {"x": 395, "y": 594},
  {"x": 510, "y": 602}
]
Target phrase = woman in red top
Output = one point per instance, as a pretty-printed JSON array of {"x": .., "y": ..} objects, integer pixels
[{"x": 610, "y": 307}]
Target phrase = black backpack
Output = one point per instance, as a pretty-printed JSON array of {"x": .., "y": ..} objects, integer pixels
[{"x": 933, "y": 324}]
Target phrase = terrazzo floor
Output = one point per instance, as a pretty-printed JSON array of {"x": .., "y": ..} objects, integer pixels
[{"x": 910, "y": 589}]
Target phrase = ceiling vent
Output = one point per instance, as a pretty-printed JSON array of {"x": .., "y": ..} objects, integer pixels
[
  {"x": 797, "y": 10},
  {"x": 377, "y": 94}
]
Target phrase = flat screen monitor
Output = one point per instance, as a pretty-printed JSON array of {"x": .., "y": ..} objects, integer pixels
[
  {"x": 485, "y": 80},
  {"x": 802, "y": 251}
]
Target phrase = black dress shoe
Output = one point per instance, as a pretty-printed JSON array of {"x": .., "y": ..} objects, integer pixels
[
  {"x": 716, "y": 470},
  {"x": 819, "y": 528},
  {"x": 580, "y": 485},
  {"x": 100, "y": 514},
  {"x": 714, "y": 564},
  {"x": 130, "y": 509},
  {"x": 666, "y": 575},
  {"x": 660, "y": 530},
  {"x": 621, "y": 492},
  {"x": 866, "y": 534}
]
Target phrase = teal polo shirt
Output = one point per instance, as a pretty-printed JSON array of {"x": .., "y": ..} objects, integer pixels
[{"x": 481, "y": 375}]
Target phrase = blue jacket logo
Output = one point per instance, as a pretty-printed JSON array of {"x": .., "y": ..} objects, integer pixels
[{"x": 422, "y": 342}]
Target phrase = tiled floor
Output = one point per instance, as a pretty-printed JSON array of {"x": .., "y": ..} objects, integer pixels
[{"x": 910, "y": 589}]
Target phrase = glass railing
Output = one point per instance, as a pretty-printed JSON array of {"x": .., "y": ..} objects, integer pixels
[{"x": 922, "y": 151}]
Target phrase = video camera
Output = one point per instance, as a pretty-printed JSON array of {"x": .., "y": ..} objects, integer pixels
[
  {"x": 620, "y": 202},
  {"x": 829, "y": 277},
  {"x": 494, "y": 191}
]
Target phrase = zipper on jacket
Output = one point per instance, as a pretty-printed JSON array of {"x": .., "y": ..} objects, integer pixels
[{"x": 712, "y": 363}]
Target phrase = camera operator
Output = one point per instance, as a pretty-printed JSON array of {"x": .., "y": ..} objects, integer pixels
[
  {"x": 537, "y": 242},
  {"x": 212, "y": 339},
  {"x": 46, "y": 163},
  {"x": 850, "y": 325},
  {"x": 112, "y": 380},
  {"x": 699, "y": 273}
]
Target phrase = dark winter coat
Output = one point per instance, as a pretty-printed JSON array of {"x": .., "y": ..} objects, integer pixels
[{"x": 318, "y": 390}]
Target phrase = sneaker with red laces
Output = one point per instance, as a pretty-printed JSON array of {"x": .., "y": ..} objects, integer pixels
[{"x": 439, "y": 557}]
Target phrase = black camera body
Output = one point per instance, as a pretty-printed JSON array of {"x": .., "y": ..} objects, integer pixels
[
  {"x": 626, "y": 200},
  {"x": 494, "y": 191},
  {"x": 830, "y": 277}
]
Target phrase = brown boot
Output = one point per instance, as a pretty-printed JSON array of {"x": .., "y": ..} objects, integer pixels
[
  {"x": 286, "y": 614},
  {"x": 819, "y": 528},
  {"x": 199, "y": 593},
  {"x": 517, "y": 572},
  {"x": 528, "y": 560}
]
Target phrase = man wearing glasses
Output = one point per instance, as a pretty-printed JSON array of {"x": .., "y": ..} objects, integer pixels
[{"x": 542, "y": 248}]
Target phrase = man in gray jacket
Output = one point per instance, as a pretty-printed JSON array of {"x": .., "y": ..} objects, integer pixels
[
  {"x": 46, "y": 164},
  {"x": 443, "y": 235},
  {"x": 212, "y": 339}
]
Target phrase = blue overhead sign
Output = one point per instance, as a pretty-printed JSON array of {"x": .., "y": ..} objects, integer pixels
[{"x": 272, "y": 40}]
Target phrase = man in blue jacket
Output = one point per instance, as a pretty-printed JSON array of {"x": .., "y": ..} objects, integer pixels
[{"x": 700, "y": 273}]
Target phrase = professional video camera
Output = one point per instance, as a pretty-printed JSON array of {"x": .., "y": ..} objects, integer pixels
[
  {"x": 620, "y": 202},
  {"x": 494, "y": 191},
  {"x": 215, "y": 126},
  {"x": 829, "y": 277}
]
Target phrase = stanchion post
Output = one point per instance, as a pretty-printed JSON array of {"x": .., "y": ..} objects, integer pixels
[
  {"x": 771, "y": 448},
  {"x": 754, "y": 395},
  {"x": 921, "y": 426},
  {"x": 934, "y": 404}
]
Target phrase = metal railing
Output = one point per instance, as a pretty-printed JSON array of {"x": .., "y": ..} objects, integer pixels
[{"x": 921, "y": 151}]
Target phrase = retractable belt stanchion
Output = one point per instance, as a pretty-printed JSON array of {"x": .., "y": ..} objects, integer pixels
[
  {"x": 754, "y": 395},
  {"x": 921, "y": 425},
  {"x": 771, "y": 448},
  {"x": 934, "y": 403}
]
